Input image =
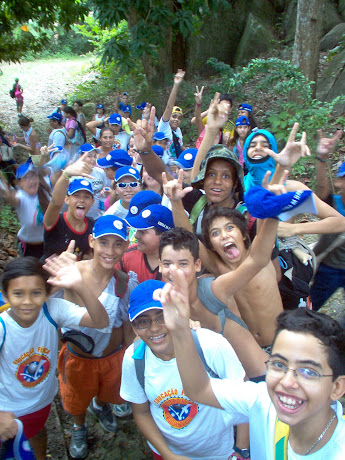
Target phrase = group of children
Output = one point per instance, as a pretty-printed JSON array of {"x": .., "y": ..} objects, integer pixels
[{"x": 181, "y": 254}]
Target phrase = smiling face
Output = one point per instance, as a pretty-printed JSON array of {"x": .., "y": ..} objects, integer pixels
[
  {"x": 90, "y": 158},
  {"x": 256, "y": 147},
  {"x": 219, "y": 183},
  {"x": 301, "y": 403},
  {"x": 126, "y": 193},
  {"x": 182, "y": 259},
  {"x": 29, "y": 183},
  {"x": 107, "y": 250},
  {"x": 175, "y": 121},
  {"x": 156, "y": 336},
  {"x": 79, "y": 204},
  {"x": 227, "y": 240},
  {"x": 107, "y": 138},
  {"x": 148, "y": 241},
  {"x": 26, "y": 295}
]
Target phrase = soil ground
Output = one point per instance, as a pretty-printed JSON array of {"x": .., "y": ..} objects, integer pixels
[{"x": 45, "y": 83}]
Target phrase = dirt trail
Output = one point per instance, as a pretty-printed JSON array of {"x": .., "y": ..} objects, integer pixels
[{"x": 45, "y": 83}]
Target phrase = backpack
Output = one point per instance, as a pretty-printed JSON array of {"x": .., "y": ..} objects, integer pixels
[
  {"x": 11, "y": 91},
  {"x": 80, "y": 126},
  {"x": 79, "y": 137},
  {"x": 139, "y": 361}
]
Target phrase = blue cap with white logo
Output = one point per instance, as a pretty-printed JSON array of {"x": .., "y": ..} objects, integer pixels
[
  {"x": 140, "y": 201},
  {"x": 154, "y": 216},
  {"x": 186, "y": 159},
  {"x": 79, "y": 184},
  {"x": 127, "y": 171},
  {"x": 110, "y": 225},
  {"x": 115, "y": 159},
  {"x": 115, "y": 119}
]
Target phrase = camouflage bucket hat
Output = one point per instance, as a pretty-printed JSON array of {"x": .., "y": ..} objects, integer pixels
[{"x": 223, "y": 153}]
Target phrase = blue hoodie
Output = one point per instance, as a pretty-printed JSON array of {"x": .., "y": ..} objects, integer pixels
[{"x": 257, "y": 168}]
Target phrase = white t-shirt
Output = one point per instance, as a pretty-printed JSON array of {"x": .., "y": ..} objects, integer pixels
[
  {"x": 117, "y": 210},
  {"x": 100, "y": 180},
  {"x": 164, "y": 127},
  {"x": 121, "y": 139},
  {"x": 190, "y": 429},
  {"x": 28, "y": 358},
  {"x": 250, "y": 402},
  {"x": 30, "y": 216},
  {"x": 58, "y": 137}
]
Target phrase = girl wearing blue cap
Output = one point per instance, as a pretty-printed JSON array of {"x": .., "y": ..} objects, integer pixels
[
  {"x": 30, "y": 201},
  {"x": 246, "y": 110},
  {"x": 242, "y": 131}
]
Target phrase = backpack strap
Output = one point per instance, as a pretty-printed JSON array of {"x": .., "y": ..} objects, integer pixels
[
  {"x": 49, "y": 318},
  {"x": 121, "y": 283},
  {"x": 202, "y": 356},
  {"x": 139, "y": 361},
  {"x": 3, "y": 339},
  {"x": 214, "y": 305},
  {"x": 197, "y": 208}
]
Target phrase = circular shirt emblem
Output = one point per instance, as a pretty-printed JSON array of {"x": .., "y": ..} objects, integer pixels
[
  {"x": 133, "y": 210},
  {"x": 118, "y": 225},
  {"x": 188, "y": 156},
  {"x": 84, "y": 182},
  {"x": 146, "y": 213},
  {"x": 132, "y": 171}
]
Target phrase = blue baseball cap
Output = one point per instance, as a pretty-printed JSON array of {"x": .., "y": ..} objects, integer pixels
[
  {"x": 25, "y": 168},
  {"x": 79, "y": 184},
  {"x": 141, "y": 106},
  {"x": 242, "y": 121},
  {"x": 186, "y": 159},
  {"x": 100, "y": 106},
  {"x": 246, "y": 107},
  {"x": 115, "y": 159},
  {"x": 262, "y": 203},
  {"x": 159, "y": 136},
  {"x": 115, "y": 119},
  {"x": 55, "y": 116},
  {"x": 125, "y": 93},
  {"x": 125, "y": 108},
  {"x": 110, "y": 225},
  {"x": 141, "y": 298},
  {"x": 55, "y": 150},
  {"x": 158, "y": 150},
  {"x": 140, "y": 201},
  {"x": 341, "y": 170},
  {"x": 154, "y": 216},
  {"x": 63, "y": 101},
  {"x": 127, "y": 171},
  {"x": 86, "y": 148}
]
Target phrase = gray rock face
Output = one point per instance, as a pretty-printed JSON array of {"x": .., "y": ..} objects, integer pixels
[
  {"x": 89, "y": 109},
  {"x": 333, "y": 37},
  {"x": 332, "y": 83},
  {"x": 257, "y": 38}
]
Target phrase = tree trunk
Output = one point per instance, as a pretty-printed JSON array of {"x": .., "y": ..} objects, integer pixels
[{"x": 306, "y": 47}]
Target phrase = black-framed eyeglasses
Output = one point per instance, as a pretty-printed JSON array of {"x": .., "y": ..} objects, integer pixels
[
  {"x": 128, "y": 184},
  {"x": 145, "y": 323},
  {"x": 302, "y": 374}
]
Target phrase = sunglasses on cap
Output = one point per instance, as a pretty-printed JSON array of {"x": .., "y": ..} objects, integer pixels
[{"x": 130, "y": 184}]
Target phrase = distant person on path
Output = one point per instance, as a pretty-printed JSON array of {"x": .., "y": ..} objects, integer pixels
[
  {"x": 78, "y": 107},
  {"x": 29, "y": 136},
  {"x": 18, "y": 94},
  {"x": 58, "y": 135}
]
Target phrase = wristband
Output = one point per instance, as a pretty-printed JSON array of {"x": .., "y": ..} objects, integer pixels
[
  {"x": 245, "y": 453},
  {"x": 142, "y": 152},
  {"x": 198, "y": 105},
  {"x": 320, "y": 159},
  {"x": 65, "y": 175},
  {"x": 233, "y": 456}
]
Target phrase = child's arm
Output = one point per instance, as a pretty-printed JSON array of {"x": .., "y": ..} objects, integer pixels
[
  {"x": 65, "y": 274},
  {"x": 216, "y": 118},
  {"x": 79, "y": 168},
  {"x": 8, "y": 426},
  {"x": 197, "y": 113},
  {"x": 92, "y": 125},
  {"x": 142, "y": 133},
  {"x": 7, "y": 193},
  {"x": 178, "y": 78},
  {"x": 174, "y": 298},
  {"x": 147, "y": 426},
  {"x": 203, "y": 115}
]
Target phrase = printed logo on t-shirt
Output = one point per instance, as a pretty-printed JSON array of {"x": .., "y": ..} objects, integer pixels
[
  {"x": 116, "y": 144},
  {"x": 33, "y": 370},
  {"x": 179, "y": 412}
]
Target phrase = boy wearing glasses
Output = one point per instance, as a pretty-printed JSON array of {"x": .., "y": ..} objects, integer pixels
[
  {"x": 127, "y": 184},
  {"x": 175, "y": 426},
  {"x": 296, "y": 412}
]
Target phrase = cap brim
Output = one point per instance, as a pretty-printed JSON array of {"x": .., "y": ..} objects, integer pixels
[
  {"x": 155, "y": 304},
  {"x": 307, "y": 206},
  {"x": 139, "y": 223},
  {"x": 78, "y": 190},
  {"x": 111, "y": 233}
]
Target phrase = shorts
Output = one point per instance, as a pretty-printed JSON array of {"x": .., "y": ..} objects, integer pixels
[
  {"x": 156, "y": 456},
  {"x": 82, "y": 378},
  {"x": 33, "y": 423}
]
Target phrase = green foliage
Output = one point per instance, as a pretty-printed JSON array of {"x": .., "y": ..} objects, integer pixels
[
  {"x": 8, "y": 219},
  {"x": 290, "y": 99},
  {"x": 24, "y": 24}
]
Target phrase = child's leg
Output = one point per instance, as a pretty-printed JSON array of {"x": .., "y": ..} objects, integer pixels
[{"x": 39, "y": 444}]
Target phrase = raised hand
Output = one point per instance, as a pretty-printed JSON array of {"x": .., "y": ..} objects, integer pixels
[
  {"x": 277, "y": 189},
  {"x": 217, "y": 114},
  {"x": 174, "y": 298},
  {"x": 179, "y": 76},
  {"x": 198, "y": 95},
  {"x": 80, "y": 168},
  {"x": 143, "y": 131},
  {"x": 173, "y": 189},
  {"x": 327, "y": 145},
  {"x": 292, "y": 151},
  {"x": 63, "y": 269}
]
